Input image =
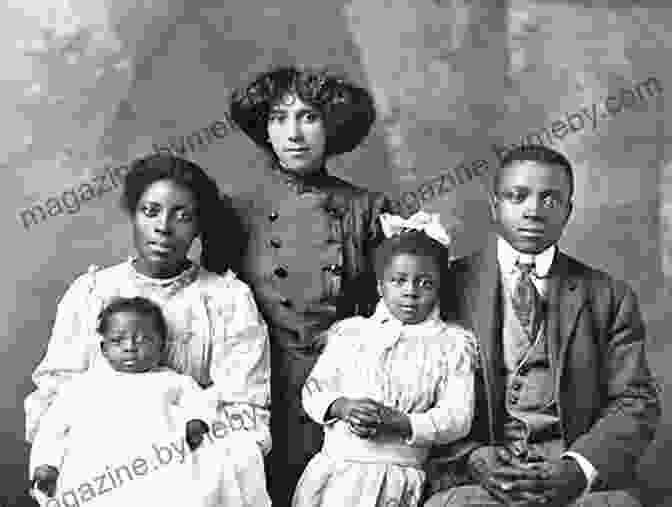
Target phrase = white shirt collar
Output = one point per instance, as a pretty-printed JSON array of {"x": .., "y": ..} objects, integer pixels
[{"x": 507, "y": 257}]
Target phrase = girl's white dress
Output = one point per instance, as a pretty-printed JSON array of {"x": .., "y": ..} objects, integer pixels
[
  {"x": 216, "y": 337},
  {"x": 424, "y": 370}
]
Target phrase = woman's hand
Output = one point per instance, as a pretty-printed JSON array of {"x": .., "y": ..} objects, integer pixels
[
  {"x": 195, "y": 429},
  {"x": 45, "y": 478}
]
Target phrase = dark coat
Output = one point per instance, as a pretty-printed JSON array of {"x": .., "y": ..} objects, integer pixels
[
  {"x": 608, "y": 400},
  {"x": 309, "y": 260}
]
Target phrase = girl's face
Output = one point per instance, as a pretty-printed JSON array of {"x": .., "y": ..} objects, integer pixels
[
  {"x": 410, "y": 287},
  {"x": 297, "y": 134},
  {"x": 132, "y": 344},
  {"x": 164, "y": 226}
]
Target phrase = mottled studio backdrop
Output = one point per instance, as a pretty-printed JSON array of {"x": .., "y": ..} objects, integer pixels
[{"x": 90, "y": 84}]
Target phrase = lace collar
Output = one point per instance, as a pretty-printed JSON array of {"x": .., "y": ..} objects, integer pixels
[{"x": 171, "y": 285}]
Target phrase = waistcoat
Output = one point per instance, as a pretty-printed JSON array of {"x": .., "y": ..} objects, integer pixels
[{"x": 531, "y": 408}]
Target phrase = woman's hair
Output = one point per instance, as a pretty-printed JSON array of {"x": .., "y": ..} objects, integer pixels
[
  {"x": 411, "y": 242},
  {"x": 139, "y": 305},
  {"x": 348, "y": 110},
  {"x": 217, "y": 221}
]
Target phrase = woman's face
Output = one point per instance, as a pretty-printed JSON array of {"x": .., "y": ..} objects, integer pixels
[
  {"x": 297, "y": 134},
  {"x": 164, "y": 226}
]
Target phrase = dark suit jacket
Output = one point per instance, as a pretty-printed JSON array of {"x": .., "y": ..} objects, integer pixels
[{"x": 608, "y": 401}]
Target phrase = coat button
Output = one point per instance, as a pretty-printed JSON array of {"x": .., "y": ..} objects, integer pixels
[
  {"x": 273, "y": 216},
  {"x": 280, "y": 272},
  {"x": 334, "y": 269},
  {"x": 516, "y": 386},
  {"x": 286, "y": 303},
  {"x": 275, "y": 243}
]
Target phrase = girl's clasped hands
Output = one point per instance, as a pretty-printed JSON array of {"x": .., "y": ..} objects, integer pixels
[{"x": 367, "y": 418}]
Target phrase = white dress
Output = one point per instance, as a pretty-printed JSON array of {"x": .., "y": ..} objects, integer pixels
[
  {"x": 217, "y": 337},
  {"x": 424, "y": 370}
]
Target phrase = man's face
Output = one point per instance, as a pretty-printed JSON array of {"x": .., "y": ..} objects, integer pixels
[{"x": 532, "y": 205}]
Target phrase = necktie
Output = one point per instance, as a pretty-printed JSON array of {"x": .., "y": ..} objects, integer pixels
[{"x": 526, "y": 299}]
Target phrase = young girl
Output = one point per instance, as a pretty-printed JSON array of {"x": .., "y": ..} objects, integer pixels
[
  {"x": 390, "y": 386},
  {"x": 88, "y": 439}
]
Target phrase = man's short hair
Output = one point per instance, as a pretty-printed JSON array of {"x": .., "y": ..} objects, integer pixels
[{"x": 536, "y": 153}]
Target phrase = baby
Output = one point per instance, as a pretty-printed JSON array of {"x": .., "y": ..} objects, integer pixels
[
  {"x": 388, "y": 387},
  {"x": 108, "y": 412}
]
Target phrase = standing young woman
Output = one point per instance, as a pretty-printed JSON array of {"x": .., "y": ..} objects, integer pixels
[{"x": 311, "y": 237}]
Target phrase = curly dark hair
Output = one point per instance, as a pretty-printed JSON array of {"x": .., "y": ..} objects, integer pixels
[
  {"x": 348, "y": 110},
  {"x": 140, "y": 305},
  {"x": 411, "y": 242},
  {"x": 220, "y": 229}
]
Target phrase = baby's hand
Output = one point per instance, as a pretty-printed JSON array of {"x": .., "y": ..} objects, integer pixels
[
  {"x": 45, "y": 478},
  {"x": 195, "y": 430}
]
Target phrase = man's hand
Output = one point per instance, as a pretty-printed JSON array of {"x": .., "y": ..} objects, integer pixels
[
  {"x": 497, "y": 470},
  {"x": 45, "y": 479},
  {"x": 560, "y": 482}
]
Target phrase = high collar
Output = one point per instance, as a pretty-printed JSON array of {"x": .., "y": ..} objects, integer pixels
[
  {"x": 507, "y": 256},
  {"x": 172, "y": 284},
  {"x": 391, "y": 329},
  {"x": 299, "y": 181},
  {"x": 383, "y": 315}
]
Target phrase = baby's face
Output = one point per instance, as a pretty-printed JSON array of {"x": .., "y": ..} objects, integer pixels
[{"x": 132, "y": 343}]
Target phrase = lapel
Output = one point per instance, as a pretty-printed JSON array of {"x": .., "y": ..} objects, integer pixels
[
  {"x": 566, "y": 297},
  {"x": 480, "y": 299}
]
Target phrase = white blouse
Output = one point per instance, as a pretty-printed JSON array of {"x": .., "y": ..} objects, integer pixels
[
  {"x": 424, "y": 370},
  {"x": 215, "y": 335}
]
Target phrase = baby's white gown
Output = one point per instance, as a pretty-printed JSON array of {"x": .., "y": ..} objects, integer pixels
[{"x": 119, "y": 439}]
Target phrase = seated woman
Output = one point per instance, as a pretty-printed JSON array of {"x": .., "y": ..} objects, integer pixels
[
  {"x": 214, "y": 332},
  {"x": 390, "y": 386},
  {"x": 311, "y": 237}
]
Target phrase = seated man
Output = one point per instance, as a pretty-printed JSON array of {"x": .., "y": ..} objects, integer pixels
[{"x": 566, "y": 401}]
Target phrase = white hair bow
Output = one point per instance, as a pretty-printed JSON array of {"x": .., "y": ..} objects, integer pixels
[{"x": 420, "y": 221}]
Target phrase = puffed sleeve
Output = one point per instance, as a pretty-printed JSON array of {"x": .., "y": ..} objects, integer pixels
[
  {"x": 70, "y": 351},
  {"x": 323, "y": 385},
  {"x": 240, "y": 367},
  {"x": 50, "y": 442},
  {"x": 450, "y": 418}
]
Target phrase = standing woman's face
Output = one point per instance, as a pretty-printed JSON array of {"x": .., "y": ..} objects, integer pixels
[
  {"x": 297, "y": 134},
  {"x": 164, "y": 226}
]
